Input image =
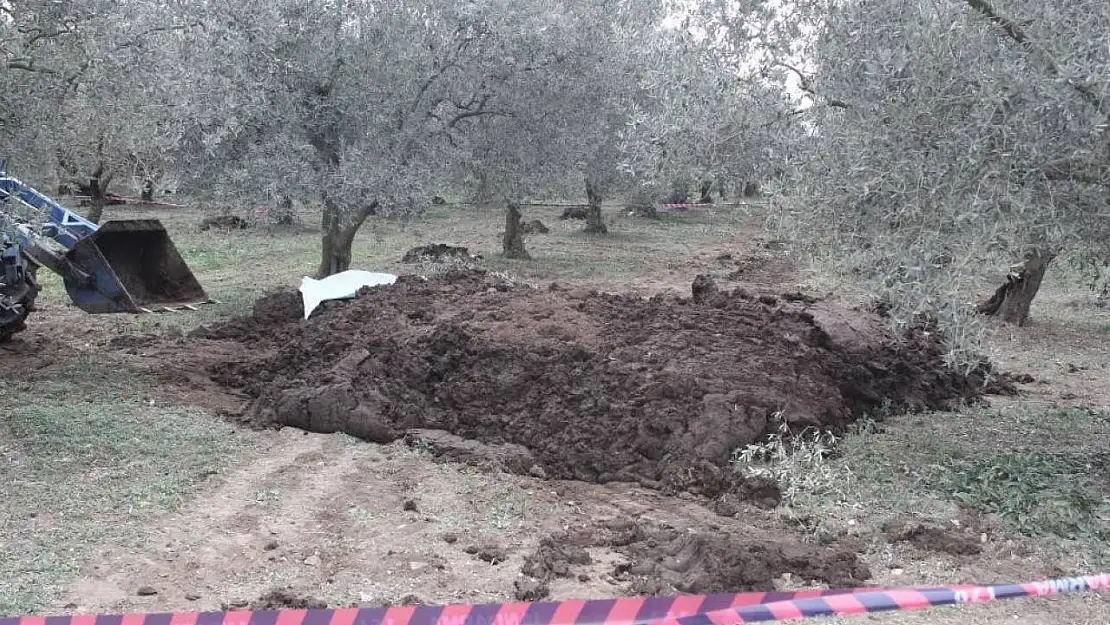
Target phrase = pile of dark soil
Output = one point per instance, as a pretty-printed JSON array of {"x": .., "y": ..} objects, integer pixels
[
  {"x": 575, "y": 212},
  {"x": 663, "y": 560},
  {"x": 598, "y": 387}
]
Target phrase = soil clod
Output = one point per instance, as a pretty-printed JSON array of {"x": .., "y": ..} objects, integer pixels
[
  {"x": 950, "y": 540},
  {"x": 282, "y": 599},
  {"x": 437, "y": 252},
  {"x": 660, "y": 559}
]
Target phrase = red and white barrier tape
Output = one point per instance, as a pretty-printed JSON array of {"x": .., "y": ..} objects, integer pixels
[{"x": 681, "y": 610}]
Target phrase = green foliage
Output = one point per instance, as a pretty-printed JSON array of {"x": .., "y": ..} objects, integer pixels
[
  {"x": 1037, "y": 493},
  {"x": 796, "y": 461}
]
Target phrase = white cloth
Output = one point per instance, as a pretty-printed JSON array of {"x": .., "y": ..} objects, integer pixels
[{"x": 339, "y": 286}]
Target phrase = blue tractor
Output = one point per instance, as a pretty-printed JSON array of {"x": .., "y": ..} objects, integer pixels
[{"x": 124, "y": 266}]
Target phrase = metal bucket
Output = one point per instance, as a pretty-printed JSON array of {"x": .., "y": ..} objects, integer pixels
[{"x": 131, "y": 266}]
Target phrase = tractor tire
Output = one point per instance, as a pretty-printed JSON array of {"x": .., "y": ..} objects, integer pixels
[{"x": 20, "y": 303}]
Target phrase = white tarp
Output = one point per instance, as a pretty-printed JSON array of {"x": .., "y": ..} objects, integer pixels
[{"x": 339, "y": 286}]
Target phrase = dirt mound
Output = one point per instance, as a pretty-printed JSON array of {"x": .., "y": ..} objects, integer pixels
[
  {"x": 279, "y": 599},
  {"x": 659, "y": 559},
  {"x": 437, "y": 252},
  {"x": 952, "y": 540},
  {"x": 575, "y": 212},
  {"x": 534, "y": 227},
  {"x": 223, "y": 222},
  {"x": 599, "y": 387}
]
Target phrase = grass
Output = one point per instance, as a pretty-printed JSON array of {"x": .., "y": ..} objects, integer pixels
[
  {"x": 1042, "y": 473},
  {"x": 87, "y": 460}
]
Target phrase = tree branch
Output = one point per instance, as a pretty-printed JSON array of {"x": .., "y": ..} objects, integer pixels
[
  {"x": 28, "y": 65},
  {"x": 478, "y": 113},
  {"x": 1017, "y": 34},
  {"x": 805, "y": 85},
  {"x": 155, "y": 29},
  {"x": 1077, "y": 170}
]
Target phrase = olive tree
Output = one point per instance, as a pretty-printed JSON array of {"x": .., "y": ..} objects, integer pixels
[
  {"x": 951, "y": 134},
  {"x": 365, "y": 106},
  {"x": 715, "y": 115},
  {"x": 568, "y": 122},
  {"x": 91, "y": 89}
]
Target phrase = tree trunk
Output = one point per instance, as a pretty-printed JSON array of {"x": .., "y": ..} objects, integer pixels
[
  {"x": 595, "y": 224},
  {"x": 705, "y": 188},
  {"x": 1012, "y": 300},
  {"x": 98, "y": 194},
  {"x": 338, "y": 237},
  {"x": 483, "y": 194},
  {"x": 513, "y": 244}
]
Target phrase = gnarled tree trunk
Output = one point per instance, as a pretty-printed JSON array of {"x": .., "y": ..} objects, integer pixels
[
  {"x": 1012, "y": 300},
  {"x": 512, "y": 246},
  {"x": 704, "y": 192},
  {"x": 595, "y": 224},
  {"x": 98, "y": 194},
  {"x": 339, "y": 235}
]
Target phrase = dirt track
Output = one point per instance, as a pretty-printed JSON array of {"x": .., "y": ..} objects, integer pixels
[{"x": 575, "y": 384}]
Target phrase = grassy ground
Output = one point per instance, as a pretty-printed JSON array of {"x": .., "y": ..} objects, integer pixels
[
  {"x": 90, "y": 462},
  {"x": 87, "y": 459}
]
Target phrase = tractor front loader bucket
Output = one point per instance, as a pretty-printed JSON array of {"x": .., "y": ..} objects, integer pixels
[{"x": 130, "y": 266}]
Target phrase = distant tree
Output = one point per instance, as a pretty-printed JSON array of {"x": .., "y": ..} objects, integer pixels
[
  {"x": 368, "y": 106},
  {"x": 713, "y": 116},
  {"x": 92, "y": 89}
]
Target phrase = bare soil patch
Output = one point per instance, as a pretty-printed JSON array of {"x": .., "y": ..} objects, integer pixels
[
  {"x": 597, "y": 387},
  {"x": 930, "y": 537}
]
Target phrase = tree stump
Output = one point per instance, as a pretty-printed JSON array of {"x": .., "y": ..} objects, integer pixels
[
  {"x": 513, "y": 244},
  {"x": 1012, "y": 300}
]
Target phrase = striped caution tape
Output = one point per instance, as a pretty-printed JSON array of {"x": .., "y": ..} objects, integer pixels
[
  {"x": 887, "y": 601},
  {"x": 682, "y": 610},
  {"x": 625, "y": 611}
]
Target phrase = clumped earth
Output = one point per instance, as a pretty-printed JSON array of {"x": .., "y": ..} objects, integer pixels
[
  {"x": 279, "y": 599},
  {"x": 591, "y": 386},
  {"x": 437, "y": 251},
  {"x": 664, "y": 560},
  {"x": 950, "y": 540}
]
